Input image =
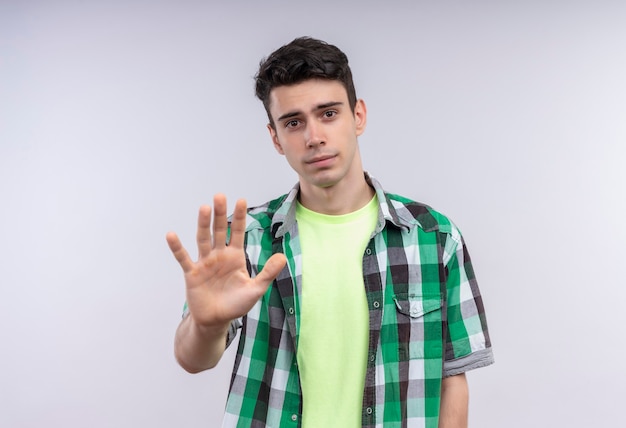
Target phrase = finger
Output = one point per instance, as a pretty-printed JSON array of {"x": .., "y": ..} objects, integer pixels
[
  {"x": 179, "y": 252},
  {"x": 203, "y": 235},
  {"x": 238, "y": 226},
  {"x": 270, "y": 271},
  {"x": 220, "y": 221}
]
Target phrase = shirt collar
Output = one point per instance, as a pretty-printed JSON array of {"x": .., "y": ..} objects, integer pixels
[{"x": 284, "y": 219}]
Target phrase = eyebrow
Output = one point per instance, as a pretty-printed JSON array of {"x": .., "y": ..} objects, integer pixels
[{"x": 318, "y": 107}]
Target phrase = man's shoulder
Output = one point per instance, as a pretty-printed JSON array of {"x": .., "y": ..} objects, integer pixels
[
  {"x": 412, "y": 211},
  {"x": 261, "y": 216}
]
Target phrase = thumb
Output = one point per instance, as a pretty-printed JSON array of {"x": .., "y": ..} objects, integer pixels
[{"x": 272, "y": 268}]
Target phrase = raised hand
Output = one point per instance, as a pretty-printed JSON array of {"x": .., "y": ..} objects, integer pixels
[{"x": 218, "y": 286}]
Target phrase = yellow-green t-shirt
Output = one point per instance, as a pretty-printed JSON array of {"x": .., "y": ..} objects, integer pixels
[{"x": 334, "y": 323}]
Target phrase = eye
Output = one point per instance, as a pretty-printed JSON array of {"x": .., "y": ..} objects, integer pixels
[
  {"x": 292, "y": 123},
  {"x": 329, "y": 114}
]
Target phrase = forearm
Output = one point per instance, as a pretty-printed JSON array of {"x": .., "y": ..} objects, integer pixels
[
  {"x": 454, "y": 402},
  {"x": 199, "y": 348}
]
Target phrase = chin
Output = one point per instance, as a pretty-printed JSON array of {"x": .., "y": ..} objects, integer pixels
[{"x": 323, "y": 179}]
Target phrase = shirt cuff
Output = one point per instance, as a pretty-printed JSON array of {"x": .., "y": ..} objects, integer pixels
[
  {"x": 472, "y": 361},
  {"x": 232, "y": 331}
]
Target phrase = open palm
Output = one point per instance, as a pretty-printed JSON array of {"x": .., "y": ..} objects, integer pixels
[{"x": 219, "y": 288}]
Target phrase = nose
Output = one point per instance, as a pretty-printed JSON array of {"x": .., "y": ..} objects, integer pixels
[{"x": 314, "y": 135}]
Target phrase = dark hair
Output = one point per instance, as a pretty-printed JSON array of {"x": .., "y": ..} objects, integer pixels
[{"x": 303, "y": 59}]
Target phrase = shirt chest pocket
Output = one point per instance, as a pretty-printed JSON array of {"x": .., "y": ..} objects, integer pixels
[
  {"x": 419, "y": 325},
  {"x": 416, "y": 306}
]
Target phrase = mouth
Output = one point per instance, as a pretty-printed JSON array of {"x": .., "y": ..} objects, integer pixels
[{"x": 322, "y": 159}]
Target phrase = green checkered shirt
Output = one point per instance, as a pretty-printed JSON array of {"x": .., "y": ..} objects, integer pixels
[{"x": 426, "y": 318}]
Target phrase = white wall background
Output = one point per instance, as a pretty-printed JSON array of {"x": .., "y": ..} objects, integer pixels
[{"x": 119, "y": 118}]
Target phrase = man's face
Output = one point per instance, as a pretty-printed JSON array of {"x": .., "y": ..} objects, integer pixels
[{"x": 316, "y": 131}]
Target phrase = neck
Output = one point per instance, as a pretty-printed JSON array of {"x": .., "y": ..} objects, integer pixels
[{"x": 342, "y": 198}]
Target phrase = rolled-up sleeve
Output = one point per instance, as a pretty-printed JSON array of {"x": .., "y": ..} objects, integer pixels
[{"x": 468, "y": 345}]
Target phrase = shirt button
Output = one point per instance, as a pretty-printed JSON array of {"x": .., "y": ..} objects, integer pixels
[
  {"x": 294, "y": 417},
  {"x": 376, "y": 304},
  {"x": 413, "y": 312},
  {"x": 372, "y": 358},
  {"x": 290, "y": 311},
  {"x": 369, "y": 410},
  {"x": 368, "y": 252}
]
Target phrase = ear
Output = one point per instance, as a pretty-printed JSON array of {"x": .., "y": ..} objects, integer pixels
[
  {"x": 360, "y": 116},
  {"x": 274, "y": 138}
]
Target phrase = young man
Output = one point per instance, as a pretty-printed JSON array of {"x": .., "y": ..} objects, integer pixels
[{"x": 357, "y": 308}]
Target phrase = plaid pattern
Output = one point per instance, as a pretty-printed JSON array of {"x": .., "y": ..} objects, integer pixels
[{"x": 427, "y": 319}]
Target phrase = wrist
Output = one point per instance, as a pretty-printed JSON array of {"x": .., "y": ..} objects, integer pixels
[{"x": 208, "y": 331}]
